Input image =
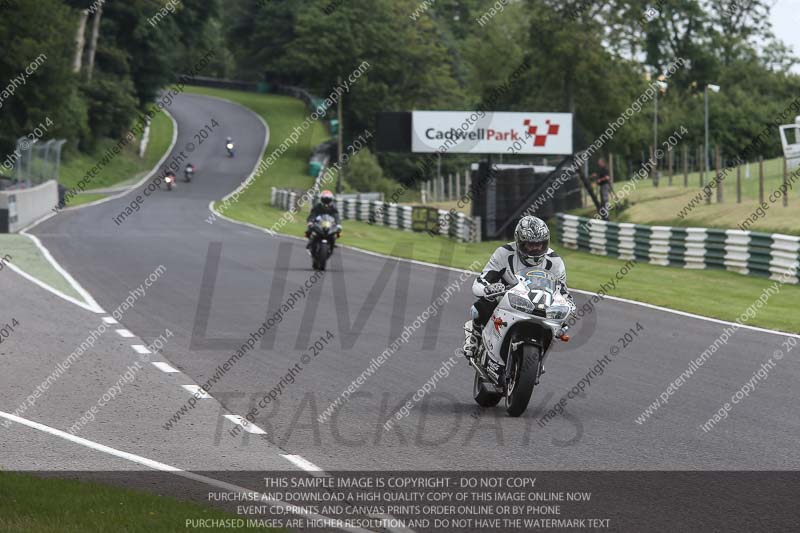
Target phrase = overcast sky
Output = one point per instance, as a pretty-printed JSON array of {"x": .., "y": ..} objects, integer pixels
[{"x": 786, "y": 24}]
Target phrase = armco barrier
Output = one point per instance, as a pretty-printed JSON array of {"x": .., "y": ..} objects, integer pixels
[
  {"x": 396, "y": 216},
  {"x": 21, "y": 207},
  {"x": 745, "y": 252}
]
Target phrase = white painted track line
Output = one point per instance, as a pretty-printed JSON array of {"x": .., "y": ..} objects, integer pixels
[
  {"x": 155, "y": 465},
  {"x": 125, "y": 333},
  {"x": 50, "y": 289},
  {"x": 140, "y": 349},
  {"x": 90, "y": 302},
  {"x": 247, "y": 426},
  {"x": 197, "y": 391},
  {"x": 308, "y": 466},
  {"x": 109, "y": 320},
  {"x": 164, "y": 367}
]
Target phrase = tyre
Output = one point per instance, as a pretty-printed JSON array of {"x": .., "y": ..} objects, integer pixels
[
  {"x": 483, "y": 396},
  {"x": 521, "y": 378},
  {"x": 323, "y": 253}
]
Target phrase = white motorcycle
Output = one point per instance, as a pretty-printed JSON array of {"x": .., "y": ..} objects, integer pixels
[{"x": 515, "y": 342}]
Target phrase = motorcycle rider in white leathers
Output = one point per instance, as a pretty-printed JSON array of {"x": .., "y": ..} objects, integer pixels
[{"x": 531, "y": 248}]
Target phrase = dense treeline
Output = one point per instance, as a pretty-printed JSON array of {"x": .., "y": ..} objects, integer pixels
[
  {"x": 591, "y": 58},
  {"x": 588, "y": 57},
  {"x": 102, "y": 62}
]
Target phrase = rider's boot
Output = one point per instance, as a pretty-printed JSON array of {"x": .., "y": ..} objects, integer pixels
[{"x": 472, "y": 336}]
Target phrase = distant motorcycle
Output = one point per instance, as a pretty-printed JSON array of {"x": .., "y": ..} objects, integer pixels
[
  {"x": 324, "y": 233},
  {"x": 229, "y": 146},
  {"x": 188, "y": 172},
  {"x": 169, "y": 179},
  {"x": 515, "y": 342}
]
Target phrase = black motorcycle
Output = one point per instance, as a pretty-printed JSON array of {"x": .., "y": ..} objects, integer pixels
[
  {"x": 324, "y": 233},
  {"x": 188, "y": 172}
]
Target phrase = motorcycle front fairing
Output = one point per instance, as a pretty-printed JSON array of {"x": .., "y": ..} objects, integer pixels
[{"x": 508, "y": 322}]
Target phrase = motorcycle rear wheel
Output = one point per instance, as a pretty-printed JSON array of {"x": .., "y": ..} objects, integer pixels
[{"x": 521, "y": 378}]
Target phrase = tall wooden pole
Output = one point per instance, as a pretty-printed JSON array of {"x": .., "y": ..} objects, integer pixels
[
  {"x": 718, "y": 160},
  {"x": 738, "y": 184},
  {"x": 340, "y": 137}
]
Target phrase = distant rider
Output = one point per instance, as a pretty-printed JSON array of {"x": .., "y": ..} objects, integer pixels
[
  {"x": 531, "y": 248},
  {"x": 325, "y": 206}
]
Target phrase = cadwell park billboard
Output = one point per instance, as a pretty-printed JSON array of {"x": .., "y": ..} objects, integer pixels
[{"x": 480, "y": 132}]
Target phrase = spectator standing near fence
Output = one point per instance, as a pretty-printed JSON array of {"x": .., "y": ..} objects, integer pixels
[{"x": 603, "y": 180}]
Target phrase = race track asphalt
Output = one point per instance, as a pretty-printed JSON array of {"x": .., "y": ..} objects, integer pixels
[{"x": 222, "y": 280}]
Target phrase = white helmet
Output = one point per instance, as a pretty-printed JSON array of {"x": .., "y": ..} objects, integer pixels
[{"x": 532, "y": 238}]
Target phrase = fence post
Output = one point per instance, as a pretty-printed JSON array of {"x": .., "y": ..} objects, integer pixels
[
  {"x": 458, "y": 185},
  {"x": 760, "y": 179},
  {"x": 738, "y": 183},
  {"x": 685, "y": 166},
  {"x": 785, "y": 183}
]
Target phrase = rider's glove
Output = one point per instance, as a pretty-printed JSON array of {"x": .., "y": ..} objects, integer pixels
[{"x": 494, "y": 290}]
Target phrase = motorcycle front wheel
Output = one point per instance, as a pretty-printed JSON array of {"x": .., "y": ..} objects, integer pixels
[
  {"x": 522, "y": 372},
  {"x": 323, "y": 252}
]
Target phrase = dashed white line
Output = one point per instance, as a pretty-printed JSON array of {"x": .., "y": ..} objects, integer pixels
[
  {"x": 164, "y": 367},
  {"x": 246, "y": 425},
  {"x": 197, "y": 391},
  {"x": 308, "y": 466},
  {"x": 140, "y": 349},
  {"x": 124, "y": 333},
  {"x": 109, "y": 320}
]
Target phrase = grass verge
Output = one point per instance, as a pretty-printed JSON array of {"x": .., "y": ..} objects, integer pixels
[
  {"x": 80, "y": 199},
  {"x": 28, "y": 503},
  {"x": 717, "y": 294},
  {"x": 27, "y": 257},
  {"x": 662, "y": 205},
  {"x": 121, "y": 167}
]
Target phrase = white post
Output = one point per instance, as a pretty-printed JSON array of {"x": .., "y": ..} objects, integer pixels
[{"x": 450, "y": 194}]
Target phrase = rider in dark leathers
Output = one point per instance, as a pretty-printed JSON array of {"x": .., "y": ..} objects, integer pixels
[{"x": 325, "y": 206}]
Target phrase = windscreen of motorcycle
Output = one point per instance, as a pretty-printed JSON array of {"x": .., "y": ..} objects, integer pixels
[{"x": 538, "y": 279}]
